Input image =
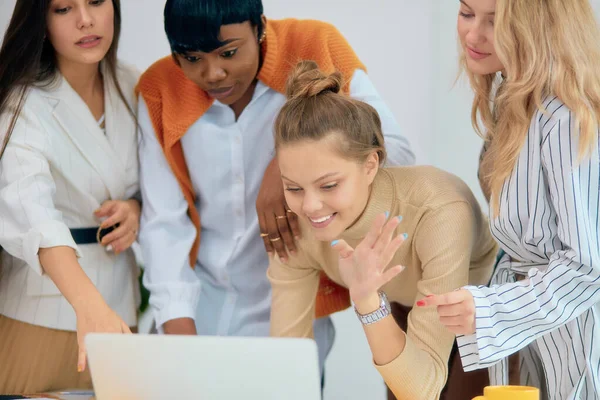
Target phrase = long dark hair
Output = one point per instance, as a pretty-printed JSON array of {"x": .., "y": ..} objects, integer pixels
[{"x": 29, "y": 59}]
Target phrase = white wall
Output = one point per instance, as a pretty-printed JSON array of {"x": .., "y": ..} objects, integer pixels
[{"x": 455, "y": 145}]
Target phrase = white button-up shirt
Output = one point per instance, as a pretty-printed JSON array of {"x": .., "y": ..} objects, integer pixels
[{"x": 228, "y": 292}]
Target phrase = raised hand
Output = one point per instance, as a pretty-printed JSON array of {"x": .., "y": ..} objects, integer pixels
[{"x": 363, "y": 269}]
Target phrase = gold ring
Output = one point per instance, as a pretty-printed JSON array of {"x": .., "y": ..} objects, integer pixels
[
  {"x": 276, "y": 239},
  {"x": 264, "y": 235},
  {"x": 281, "y": 216}
]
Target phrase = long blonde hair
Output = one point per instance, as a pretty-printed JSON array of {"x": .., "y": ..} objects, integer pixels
[{"x": 547, "y": 47}]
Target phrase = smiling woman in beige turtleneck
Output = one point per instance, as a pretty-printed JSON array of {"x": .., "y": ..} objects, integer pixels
[{"x": 361, "y": 224}]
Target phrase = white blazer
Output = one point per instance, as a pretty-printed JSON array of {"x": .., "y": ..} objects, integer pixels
[{"x": 59, "y": 167}]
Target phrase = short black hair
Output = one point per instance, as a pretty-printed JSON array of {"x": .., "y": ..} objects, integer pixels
[{"x": 194, "y": 25}]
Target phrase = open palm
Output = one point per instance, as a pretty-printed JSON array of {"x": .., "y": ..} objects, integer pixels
[{"x": 363, "y": 269}]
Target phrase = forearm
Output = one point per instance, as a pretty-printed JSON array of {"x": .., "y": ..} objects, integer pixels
[
  {"x": 294, "y": 290},
  {"x": 386, "y": 339},
  {"x": 411, "y": 369},
  {"x": 180, "y": 326},
  {"x": 512, "y": 315},
  {"x": 167, "y": 236},
  {"x": 61, "y": 265}
]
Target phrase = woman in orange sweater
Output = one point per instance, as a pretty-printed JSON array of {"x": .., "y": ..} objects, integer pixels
[
  {"x": 361, "y": 225},
  {"x": 206, "y": 113}
]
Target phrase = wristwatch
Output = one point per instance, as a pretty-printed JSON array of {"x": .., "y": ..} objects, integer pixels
[{"x": 383, "y": 311}]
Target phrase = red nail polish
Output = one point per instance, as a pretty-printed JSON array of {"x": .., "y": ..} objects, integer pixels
[{"x": 420, "y": 303}]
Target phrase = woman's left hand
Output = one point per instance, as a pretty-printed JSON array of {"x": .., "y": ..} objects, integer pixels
[
  {"x": 126, "y": 213},
  {"x": 278, "y": 225},
  {"x": 363, "y": 270},
  {"x": 455, "y": 309}
]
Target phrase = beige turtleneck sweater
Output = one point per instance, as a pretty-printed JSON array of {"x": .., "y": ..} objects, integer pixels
[{"x": 449, "y": 245}]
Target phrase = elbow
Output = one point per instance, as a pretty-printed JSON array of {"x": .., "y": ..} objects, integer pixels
[
  {"x": 429, "y": 389},
  {"x": 437, "y": 381},
  {"x": 416, "y": 374},
  {"x": 43, "y": 240}
]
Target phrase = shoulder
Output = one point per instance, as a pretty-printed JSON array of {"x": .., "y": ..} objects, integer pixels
[
  {"x": 434, "y": 191},
  {"x": 159, "y": 71},
  {"x": 32, "y": 110},
  {"x": 34, "y": 103},
  {"x": 305, "y": 29},
  {"x": 165, "y": 78},
  {"x": 127, "y": 77},
  {"x": 127, "y": 74},
  {"x": 428, "y": 186},
  {"x": 312, "y": 39},
  {"x": 556, "y": 128},
  {"x": 552, "y": 114}
]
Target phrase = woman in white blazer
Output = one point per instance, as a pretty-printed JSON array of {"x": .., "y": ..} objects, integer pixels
[{"x": 68, "y": 176}]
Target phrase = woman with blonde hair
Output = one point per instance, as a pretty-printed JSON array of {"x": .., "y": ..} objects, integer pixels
[
  {"x": 537, "y": 61},
  {"x": 361, "y": 225}
]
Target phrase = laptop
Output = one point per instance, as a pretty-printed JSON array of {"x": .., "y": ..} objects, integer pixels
[{"x": 174, "y": 367}]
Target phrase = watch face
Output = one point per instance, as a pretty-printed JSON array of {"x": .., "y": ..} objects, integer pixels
[{"x": 384, "y": 301}]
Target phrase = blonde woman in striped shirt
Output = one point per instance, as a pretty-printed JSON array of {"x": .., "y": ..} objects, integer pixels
[{"x": 538, "y": 63}]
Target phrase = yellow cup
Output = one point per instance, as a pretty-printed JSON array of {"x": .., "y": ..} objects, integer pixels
[{"x": 509, "y": 393}]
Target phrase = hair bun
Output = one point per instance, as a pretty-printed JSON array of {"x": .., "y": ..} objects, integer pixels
[{"x": 307, "y": 80}]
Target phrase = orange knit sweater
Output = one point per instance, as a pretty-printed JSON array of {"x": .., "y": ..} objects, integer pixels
[{"x": 175, "y": 103}]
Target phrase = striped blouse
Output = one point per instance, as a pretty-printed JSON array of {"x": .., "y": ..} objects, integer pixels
[{"x": 548, "y": 227}]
